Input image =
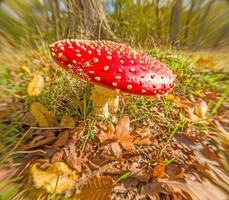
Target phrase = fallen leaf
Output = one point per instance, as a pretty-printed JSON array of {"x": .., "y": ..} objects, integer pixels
[
  {"x": 142, "y": 141},
  {"x": 98, "y": 188},
  {"x": 27, "y": 119},
  {"x": 39, "y": 141},
  {"x": 108, "y": 135},
  {"x": 201, "y": 109},
  {"x": 67, "y": 121},
  {"x": 42, "y": 116},
  {"x": 72, "y": 158},
  {"x": 58, "y": 178},
  {"x": 61, "y": 139},
  {"x": 26, "y": 69},
  {"x": 159, "y": 171},
  {"x": 122, "y": 134},
  {"x": 6, "y": 173},
  {"x": 57, "y": 156},
  {"x": 210, "y": 154},
  {"x": 142, "y": 132},
  {"x": 190, "y": 190},
  {"x": 36, "y": 85},
  {"x": 116, "y": 149}
]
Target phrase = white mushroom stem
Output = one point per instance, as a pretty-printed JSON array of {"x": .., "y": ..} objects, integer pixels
[{"x": 105, "y": 101}]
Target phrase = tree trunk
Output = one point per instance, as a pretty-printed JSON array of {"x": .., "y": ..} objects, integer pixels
[
  {"x": 188, "y": 21},
  {"x": 55, "y": 14},
  {"x": 158, "y": 24},
  {"x": 175, "y": 21},
  {"x": 93, "y": 19},
  {"x": 222, "y": 34},
  {"x": 202, "y": 23}
]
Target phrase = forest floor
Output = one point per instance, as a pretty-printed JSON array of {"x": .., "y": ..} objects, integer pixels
[{"x": 171, "y": 147}]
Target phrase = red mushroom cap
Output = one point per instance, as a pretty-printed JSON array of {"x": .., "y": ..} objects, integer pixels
[{"x": 113, "y": 65}]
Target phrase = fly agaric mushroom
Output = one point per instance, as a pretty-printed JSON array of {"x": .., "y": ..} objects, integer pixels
[{"x": 112, "y": 68}]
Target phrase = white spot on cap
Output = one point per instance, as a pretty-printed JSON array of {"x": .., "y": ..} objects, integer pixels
[
  {"x": 109, "y": 57},
  {"x": 95, "y": 60},
  {"x": 114, "y": 84},
  {"x": 74, "y": 61},
  {"x": 60, "y": 55},
  {"x": 119, "y": 70},
  {"x": 143, "y": 91},
  {"x": 91, "y": 72},
  {"x": 132, "y": 69},
  {"x": 122, "y": 61},
  {"x": 62, "y": 48},
  {"x": 118, "y": 77},
  {"x": 70, "y": 47},
  {"x": 106, "y": 68},
  {"x": 87, "y": 64},
  {"x": 78, "y": 55},
  {"x": 129, "y": 87},
  {"x": 90, "y": 52},
  {"x": 132, "y": 62},
  {"x": 97, "y": 78}
]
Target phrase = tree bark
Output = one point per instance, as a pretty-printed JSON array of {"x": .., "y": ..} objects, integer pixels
[
  {"x": 222, "y": 34},
  {"x": 202, "y": 23},
  {"x": 188, "y": 21},
  {"x": 157, "y": 18},
  {"x": 93, "y": 19},
  {"x": 175, "y": 21}
]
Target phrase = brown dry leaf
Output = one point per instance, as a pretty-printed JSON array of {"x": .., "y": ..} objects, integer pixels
[
  {"x": 67, "y": 121},
  {"x": 116, "y": 149},
  {"x": 210, "y": 154},
  {"x": 181, "y": 174},
  {"x": 61, "y": 140},
  {"x": 142, "y": 141},
  {"x": 58, "y": 178},
  {"x": 122, "y": 133},
  {"x": 57, "y": 156},
  {"x": 6, "y": 173},
  {"x": 201, "y": 109},
  {"x": 36, "y": 85},
  {"x": 190, "y": 190},
  {"x": 42, "y": 116},
  {"x": 74, "y": 160},
  {"x": 98, "y": 188},
  {"x": 39, "y": 141},
  {"x": 108, "y": 135},
  {"x": 223, "y": 134},
  {"x": 27, "y": 119},
  {"x": 159, "y": 171}
]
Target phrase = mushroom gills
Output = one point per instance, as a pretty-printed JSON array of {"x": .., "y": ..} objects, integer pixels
[{"x": 105, "y": 101}]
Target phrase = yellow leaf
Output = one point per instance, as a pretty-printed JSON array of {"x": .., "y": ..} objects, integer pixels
[
  {"x": 26, "y": 69},
  {"x": 67, "y": 121},
  {"x": 36, "y": 85},
  {"x": 99, "y": 188},
  {"x": 170, "y": 97},
  {"x": 57, "y": 178},
  {"x": 43, "y": 117}
]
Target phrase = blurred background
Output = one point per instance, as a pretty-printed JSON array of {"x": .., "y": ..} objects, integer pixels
[{"x": 184, "y": 24}]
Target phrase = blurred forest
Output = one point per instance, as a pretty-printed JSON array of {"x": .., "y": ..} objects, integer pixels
[{"x": 190, "y": 24}]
